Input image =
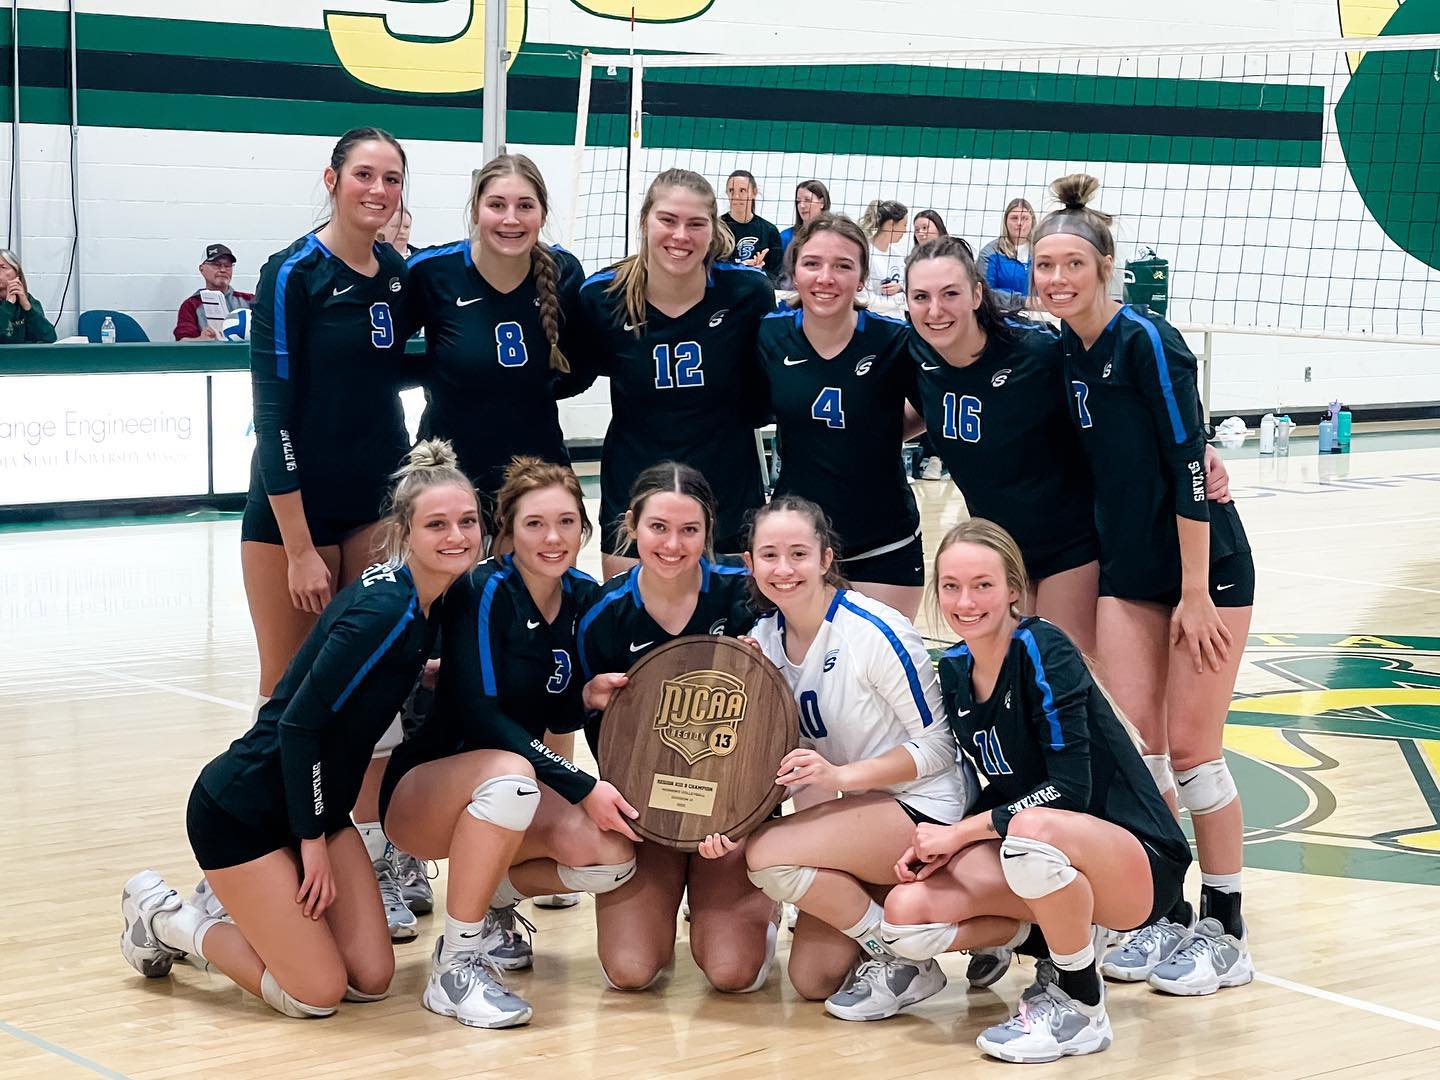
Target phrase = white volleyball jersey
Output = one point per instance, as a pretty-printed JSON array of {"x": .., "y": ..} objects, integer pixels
[{"x": 867, "y": 686}]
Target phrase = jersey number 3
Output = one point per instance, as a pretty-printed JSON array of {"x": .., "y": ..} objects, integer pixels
[
  {"x": 561, "y": 679},
  {"x": 680, "y": 367},
  {"x": 382, "y": 327}
]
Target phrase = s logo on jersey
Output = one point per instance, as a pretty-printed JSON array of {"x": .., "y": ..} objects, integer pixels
[
  {"x": 863, "y": 367},
  {"x": 394, "y": 284},
  {"x": 1105, "y": 372},
  {"x": 699, "y": 714},
  {"x": 831, "y": 658},
  {"x": 719, "y": 316},
  {"x": 717, "y": 627},
  {"x": 1000, "y": 378}
]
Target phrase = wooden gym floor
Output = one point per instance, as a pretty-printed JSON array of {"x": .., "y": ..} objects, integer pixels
[{"x": 128, "y": 662}]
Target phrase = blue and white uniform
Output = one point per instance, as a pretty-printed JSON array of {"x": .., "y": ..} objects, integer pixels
[{"x": 866, "y": 686}]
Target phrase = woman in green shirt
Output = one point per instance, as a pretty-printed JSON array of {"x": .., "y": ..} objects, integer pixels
[{"x": 22, "y": 320}]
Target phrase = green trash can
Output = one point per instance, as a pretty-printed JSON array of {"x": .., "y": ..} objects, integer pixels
[{"x": 1147, "y": 282}]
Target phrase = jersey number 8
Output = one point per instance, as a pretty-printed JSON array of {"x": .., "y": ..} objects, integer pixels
[
  {"x": 962, "y": 418},
  {"x": 510, "y": 345},
  {"x": 682, "y": 368}
]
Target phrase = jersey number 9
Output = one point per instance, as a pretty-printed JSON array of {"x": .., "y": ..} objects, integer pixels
[
  {"x": 678, "y": 368},
  {"x": 382, "y": 328},
  {"x": 962, "y": 418}
]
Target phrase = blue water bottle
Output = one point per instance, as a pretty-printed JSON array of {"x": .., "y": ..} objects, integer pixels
[
  {"x": 1342, "y": 430},
  {"x": 1327, "y": 436}
]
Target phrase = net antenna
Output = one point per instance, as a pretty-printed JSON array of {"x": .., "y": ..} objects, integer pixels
[{"x": 493, "y": 101}]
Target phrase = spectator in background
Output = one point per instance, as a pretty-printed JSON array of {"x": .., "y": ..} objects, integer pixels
[
  {"x": 757, "y": 241},
  {"x": 217, "y": 269},
  {"x": 812, "y": 198},
  {"x": 1004, "y": 263},
  {"x": 397, "y": 233},
  {"x": 928, "y": 226},
  {"x": 22, "y": 319},
  {"x": 887, "y": 224}
]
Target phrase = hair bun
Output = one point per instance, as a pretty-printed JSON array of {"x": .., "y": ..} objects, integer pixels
[
  {"x": 431, "y": 454},
  {"x": 1074, "y": 192}
]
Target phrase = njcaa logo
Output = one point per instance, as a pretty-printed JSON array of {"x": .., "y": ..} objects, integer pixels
[
  {"x": 864, "y": 365},
  {"x": 719, "y": 316},
  {"x": 699, "y": 713},
  {"x": 1000, "y": 377}
]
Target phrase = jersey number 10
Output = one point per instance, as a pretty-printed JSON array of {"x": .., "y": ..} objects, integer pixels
[{"x": 811, "y": 726}]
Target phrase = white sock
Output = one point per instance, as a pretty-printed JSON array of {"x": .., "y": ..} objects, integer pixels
[
  {"x": 459, "y": 937},
  {"x": 1076, "y": 961},
  {"x": 260, "y": 700},
  {"x": 1021, "y": 934},
  {"x": 1226, "y": 883},
  {"x": 374, "y": 837},
  {"x": 506, "y": 895},
  {"x": 867, "y": 931},
  {"x": 184, "y": 929}
]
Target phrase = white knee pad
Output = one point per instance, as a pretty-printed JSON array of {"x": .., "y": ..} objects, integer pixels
[
  {"x": 786, "y": 884},
  {"x": 1033, "y": 868},
  {"x": 282, "y": 1002},
  {"x": 918, "y": 941},
  {"x": 602, "y": 878},
  {"x": 508, "y": 801},
  {"x": 351, "y": 994},
  {"x": 1206, "y": 788},
  {"x": 393, "y": 737},
  {"x": 1159, "y": 766}
]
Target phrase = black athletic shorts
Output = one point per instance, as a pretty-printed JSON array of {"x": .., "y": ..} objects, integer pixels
[
  {"x": 1082, "y": 551},
  {"x": 1167, "y": 882},
  {"x": 220, "y": 840},
  {"x": 259, "y": 525},
  {"x": 1232, "y": 583},
  {"x": 903, "y": 566}
]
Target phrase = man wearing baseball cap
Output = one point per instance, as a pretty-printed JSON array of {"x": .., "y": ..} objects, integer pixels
[{"x": 217, "y": 270}]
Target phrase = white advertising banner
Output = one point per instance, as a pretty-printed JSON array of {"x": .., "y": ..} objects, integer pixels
[
  {"x": 73, "y": 438},
  {"x": 234, "y": 430}
]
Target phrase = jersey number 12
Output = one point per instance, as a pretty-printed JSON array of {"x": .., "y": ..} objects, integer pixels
[{"x": 678, "y": 368}]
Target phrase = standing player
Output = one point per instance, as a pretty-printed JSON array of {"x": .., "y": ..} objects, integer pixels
[
  {"x": 269, "y": 818},
  {"x": 674, "y": 329},
  {"x": 493, "y": 307},
  {"x": 990, "y": 388},
  {"x": 463, "y": 785},
  {"x": 838, "y": 380},
  {"x": 675, "y": 590},
  {"x": 1072, "y": 831},
  {"x": 1176, "y": 576},
  {"x": 871, "y": 726},
  {"x": 757, "y": 241}
]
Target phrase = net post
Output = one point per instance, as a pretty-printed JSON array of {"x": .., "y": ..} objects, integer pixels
[
  {"x": 577, "y": 157},
  {"x": 492, "y": 102},
  {"x": 633, "y": 176},
  {"x": 1206, "y": 363}
]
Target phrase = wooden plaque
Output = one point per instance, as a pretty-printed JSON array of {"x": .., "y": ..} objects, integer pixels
[{"x": 694, "y": 738}]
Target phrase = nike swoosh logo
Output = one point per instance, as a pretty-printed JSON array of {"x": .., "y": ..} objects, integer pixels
[
  {"x": 342, "y": 292},
  {"x": 1011, "y": 854},
  {"x": 929, "y": 367},
  {"x": 530, "y": 625},
  {"x": 1183, "y": 783},
  {"x": 467, "y": 936},
  {"x": 1222, "y": 588},
  {"x": 643, "y": 644},
  {"x": 628, "y": 874},
  {"x": 629, "y": 327},
  {"x": 522, "y": 791},
  {"x": 889, "y": 940},
  {"x": 791, "y": 363},
  {"x": 961, "y": 712},
  {"x": 466, "y": 303}
]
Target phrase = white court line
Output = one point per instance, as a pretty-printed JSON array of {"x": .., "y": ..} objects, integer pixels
[
  {"x": 1348, "y": 581},
  {"x": 1345, "y": 525},
  {"x": 60, "y": 1051},
  {"x": 153, "y": 685},
  {"x": 1354, "y": 1003}
]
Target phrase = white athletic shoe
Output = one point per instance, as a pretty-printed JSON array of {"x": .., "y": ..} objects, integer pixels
[
  {"x": 880, "y": 987},
  {"x": 1147, "y": 949},
  {"x": 414, "y": 878},
  {"x": 144, "y": 896},
  {"x": 934, "y": 469},
  {"x": 469, "y": 988},
  {"x": 504, "y": 945},
  {"x": 791, "y": 916},
  {"x": 556, "y": 900},
  {"x": 1209, "y": 960},
  {"x": 987, "y": 966},
  {"x": 1048, "y": 1026},
  {"x": 399, "y": 918},
  {"x": 204, "y": 899}
]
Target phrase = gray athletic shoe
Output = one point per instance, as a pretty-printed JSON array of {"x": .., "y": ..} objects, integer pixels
[
  {"x": 1047, "y": 1027},
  {"x": 144, "y": 896},
  {"x": 556, "y": 900},
  {"x": 502, "y": 944},
  {"x": 206, "y": 900},
  {"x": 1147, "y": 949},
  {"x": 414, "y": 878},
  {"x": 987, "y": 966},
  {"x": 1045, "y": 974},
  {"x": 469, "y": 988},
  {"x": 1209, "y": 960},
  {"x": 399, "y": 918},
  {"x": 881, "y": 986}
]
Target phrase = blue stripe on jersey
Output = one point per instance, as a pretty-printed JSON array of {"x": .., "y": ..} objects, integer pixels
[
  {"x": 482, "y": 635},
  {"x": 601, "y": 275},
  {"x": 907, "y": 664},
  {"x": 604, "y": 602},
  {"x": 375, "y": 656},
  {"x": 436, "y": 252},
  {"x": 1047, "y": 696},
  {"x": 785, "y": 311},
  {"x": 706, "y": 569},
  {"x": 573, "y": 575},
  {"x": 958, "y": 649},
  {"x": 834, "y": 605},
  {"x": 735, "y": 266},
  {"x": 282, "y": 278},
  {"x": 1177, "y": 426},
  {"x": 867, "y": 313}
]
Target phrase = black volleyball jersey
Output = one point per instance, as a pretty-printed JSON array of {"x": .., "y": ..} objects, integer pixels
[
  {"x": 753, "y": 237},
  {"x": 1134, "y": 401},
  {"x": 1046, "y": 736},
  {"x": 841, "y": 425},
  {"x": 301, "y": 765},
  {"x": 489, "y": 384},
  {"x": 506, "y": 676},
  {"x": 1002, "y": 428},
  {"x": 327, "y": 361},
  {"x": 687, "y": 389}
]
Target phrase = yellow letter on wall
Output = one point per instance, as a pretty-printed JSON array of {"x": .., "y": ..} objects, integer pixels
[
  {"x": 369, "y": 51},
  {"x": 645, "y": 10}
]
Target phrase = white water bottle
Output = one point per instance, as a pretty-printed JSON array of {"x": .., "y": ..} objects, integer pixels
[
  {"x": 107, "y": 331},
  {"x": 1267, "y": 433}
]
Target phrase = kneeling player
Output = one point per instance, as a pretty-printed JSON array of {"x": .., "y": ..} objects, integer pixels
[{"x": 1073, "y": 831}]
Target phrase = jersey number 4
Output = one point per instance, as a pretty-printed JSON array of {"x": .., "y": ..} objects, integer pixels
[
  {"x": 382, "y": 326},
  {"x": 678, "y": 367},
  {"x": 510, "y": 345},
  {"x": 962, "y": 418},
  {"x": 992, "y": 756},
  {"x": 811, "y": 726},
  {"x": 827, "y": 408}
]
